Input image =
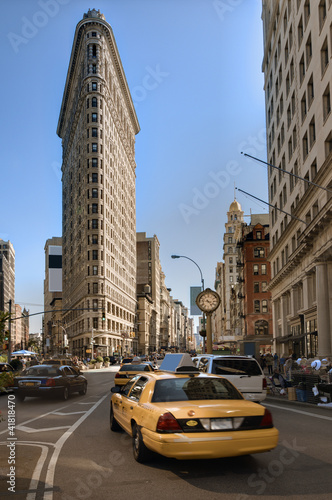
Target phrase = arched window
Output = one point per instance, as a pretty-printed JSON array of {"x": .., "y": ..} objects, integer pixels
[{"x": 261, "y": 327}]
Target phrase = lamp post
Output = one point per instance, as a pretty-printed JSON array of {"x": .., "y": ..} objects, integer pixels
[{"x": 202, "y": 280}]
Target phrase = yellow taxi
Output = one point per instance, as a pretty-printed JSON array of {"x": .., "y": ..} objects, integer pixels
[
  {"x": 129, "y": 370},
  {"x": 182, "y": 413}
]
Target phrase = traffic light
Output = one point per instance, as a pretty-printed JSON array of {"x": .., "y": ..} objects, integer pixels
[{"x": 103, "y": 316}]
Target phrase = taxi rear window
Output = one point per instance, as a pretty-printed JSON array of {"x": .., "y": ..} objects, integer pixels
[
  {"x": 41, "y": 371},
  {"x": 134, "y": 368},
  {"x": 193, "y": 389}
]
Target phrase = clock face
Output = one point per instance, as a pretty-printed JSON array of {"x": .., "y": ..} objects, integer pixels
[{"x": 208, "y": 300}]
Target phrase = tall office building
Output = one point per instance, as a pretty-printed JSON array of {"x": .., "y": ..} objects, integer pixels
[
  {"x": 97, "y": 125},
  {"x": 297, "y": 68},
  {"x": 7, "y": 275}
]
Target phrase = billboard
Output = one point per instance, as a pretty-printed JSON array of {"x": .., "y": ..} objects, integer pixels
[{"x": 194, "y": 309}]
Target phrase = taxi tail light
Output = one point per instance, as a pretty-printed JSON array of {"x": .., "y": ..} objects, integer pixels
[
  {"x": 168, "y": 423},
  {"x": 50, "y": 382},
  {"x": 264, "y": 383},
  {"x": 118, "y": 375},
  {"x": 267, "y": 421}
]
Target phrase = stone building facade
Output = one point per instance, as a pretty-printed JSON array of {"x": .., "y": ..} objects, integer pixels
[
  {"x": 98, "y": 125},
  {"x": 297, "y": 69}
]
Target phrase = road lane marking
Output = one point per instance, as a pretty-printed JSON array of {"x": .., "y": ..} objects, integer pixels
[
  {"x": 50, "y": 473},
  {"x": 30, "y": 430},
  {"x": 37, "y": 470},
  {"x": 299, "y": 411},
  {"x": 69, "y": 413}
]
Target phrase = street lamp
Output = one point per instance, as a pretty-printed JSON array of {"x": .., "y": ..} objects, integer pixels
[
  {"x": 202, "y": 280},
  {"x": 184, "y": 257}
]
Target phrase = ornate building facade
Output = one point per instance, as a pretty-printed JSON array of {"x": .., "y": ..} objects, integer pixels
[{"x": 298, "y": 74}]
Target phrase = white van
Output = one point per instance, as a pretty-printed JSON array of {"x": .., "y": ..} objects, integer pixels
[{"x": 243, "y": 371}]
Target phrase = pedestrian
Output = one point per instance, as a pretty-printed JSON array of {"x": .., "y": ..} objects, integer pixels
[
  {"x": 275, "y": 362},
  {"x": 269, "y": 363}
]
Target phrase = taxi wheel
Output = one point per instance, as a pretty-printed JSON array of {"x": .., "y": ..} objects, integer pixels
[
  {"x": 114, "y": 426},
  {"x": 141, "y": 452}
]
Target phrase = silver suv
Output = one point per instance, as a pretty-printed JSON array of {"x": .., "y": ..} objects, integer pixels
[{"x": 243, "y": 371}]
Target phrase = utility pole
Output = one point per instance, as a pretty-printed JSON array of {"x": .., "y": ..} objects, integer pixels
[{"x": 10, "y": 332}]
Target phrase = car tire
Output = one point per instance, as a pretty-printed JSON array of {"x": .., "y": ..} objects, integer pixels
[
  {"x": 82, "y": 392},
  {"x": 141, "y": 452},
  {"x": 65, "y": 393},
  {"x": 114, "y": 426}
]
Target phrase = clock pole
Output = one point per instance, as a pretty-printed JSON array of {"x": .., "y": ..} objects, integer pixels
[{"x": 208, "y": 333}]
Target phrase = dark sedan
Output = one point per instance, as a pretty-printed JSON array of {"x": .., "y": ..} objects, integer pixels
[{"x": 41, "y": 380}]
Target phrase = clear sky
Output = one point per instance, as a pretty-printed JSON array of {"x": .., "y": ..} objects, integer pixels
[{"x": 194, "y": 71}]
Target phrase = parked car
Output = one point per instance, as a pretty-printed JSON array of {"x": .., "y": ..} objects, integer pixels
[
  {"x": 185, "y": 414},
  {"x": 243, "y": 371},
  {"x": 41, "y": 380}
]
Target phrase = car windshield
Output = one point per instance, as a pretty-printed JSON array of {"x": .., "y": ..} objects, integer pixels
[
  {"x": 193, "y": 389},
  {"x": 134, "y": 368},
  {"x": 235, "y": 367},
  {"x": 41, "y": 371}
]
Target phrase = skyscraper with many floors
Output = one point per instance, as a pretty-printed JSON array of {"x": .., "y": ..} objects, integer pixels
[{"x": 97, "y": 125}]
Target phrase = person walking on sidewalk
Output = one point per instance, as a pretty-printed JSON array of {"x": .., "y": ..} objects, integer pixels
[{"x": 269, "y": 363}]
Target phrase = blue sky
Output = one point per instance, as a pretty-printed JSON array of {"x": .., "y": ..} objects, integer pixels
[{"x": 194, "y": 71}]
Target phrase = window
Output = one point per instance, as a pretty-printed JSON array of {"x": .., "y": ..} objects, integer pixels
[
  {"x": 263, "y": 268},
  {"x": 94, "y": 147},
  {"x": 300, "y": 31},
  {"x": 312, "y": 132},
  {"x": 259, "y": 252},
  {"x": 94, "y": 162},
  {"x": 230, "y": 240},
  {"x": 94, "y": 69},
  {"x": 94, "y": 254},
  {"x": 94, "y": 132},
  {"x": 94, "y": 103},
  {"x": 324, "y": 56},
  {"x": 95, "y": 288},
  {"x": 94, "y": 117},
  {"x": 94, "y": 223},
  {"x": 256, "y": 287},
  {"x": 305, "y": 147},
  {"x": 303, "y": 106},
  {"x": 258, "y": 235},
  {"x": 95, "y": 323},
  {"x": 326, "y": 102},
  {"x": 94, "y": 270},
  {"x": 308, "y": 50},
  {"x": 310, "y": 90},
  {"x": 302, "y": 69},
  {"x": 94, "y": 177},
  {"x": 94, "y": 34},
  {"x": 95, "y": 305},
  {"x": 256, "y": 269},
  {"x": 94, "y": 193},
  {"x": 322, "y": 13},
  {"x": 94, "y": 85},
  {"x": 261, "y": 328},
  {"x": 94, "y": 208},
  {"x": 264, "y": 286},
  {"x": 264, "y": 306},
  {"x": 94, "y": 238},
  {"x": 257, "y": 306},
  {"x": 306, "y": 12}
]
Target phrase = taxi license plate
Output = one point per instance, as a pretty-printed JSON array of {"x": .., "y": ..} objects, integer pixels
[
  {"x": 219, "y": 424},
  {"x": 29, "y": 384}
]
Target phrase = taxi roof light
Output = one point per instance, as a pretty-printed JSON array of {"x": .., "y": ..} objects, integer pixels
[{"x": 178, "y": 363}]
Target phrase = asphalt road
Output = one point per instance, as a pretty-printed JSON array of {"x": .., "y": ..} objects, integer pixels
[{"x": 64, "y": 450}]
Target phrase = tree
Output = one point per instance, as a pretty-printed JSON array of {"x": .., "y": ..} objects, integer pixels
[{"x": 4, "y": 316}]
